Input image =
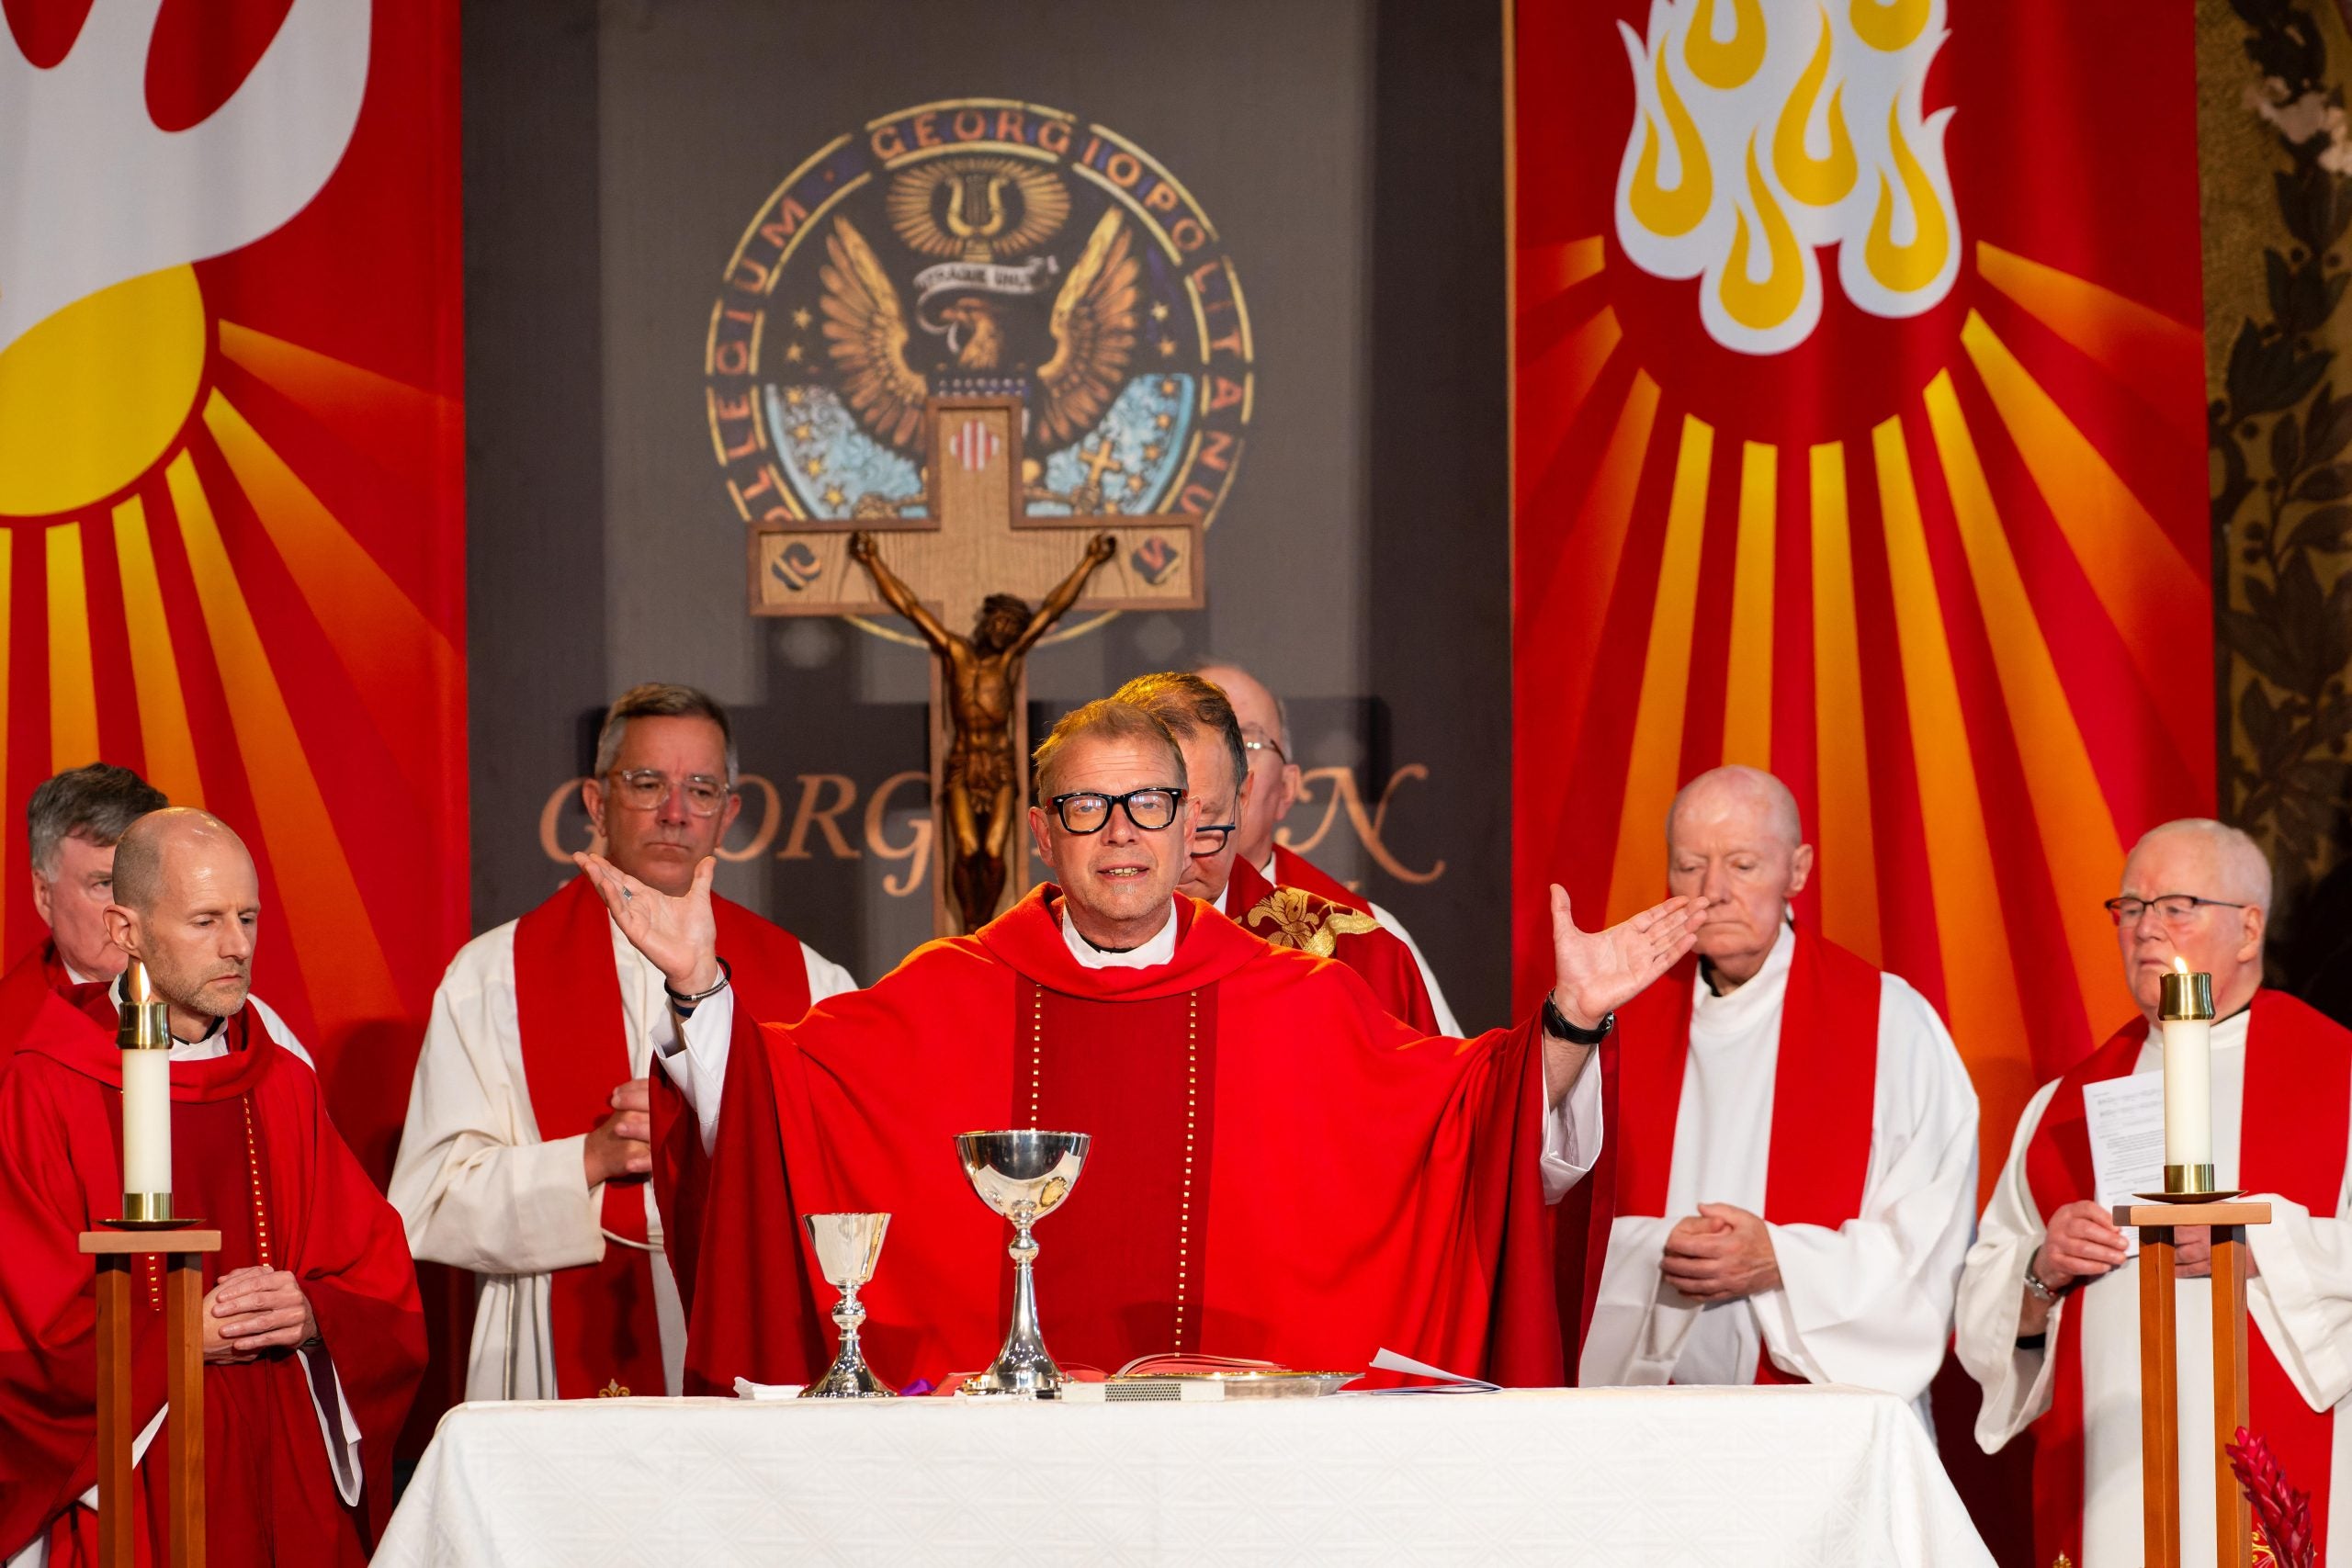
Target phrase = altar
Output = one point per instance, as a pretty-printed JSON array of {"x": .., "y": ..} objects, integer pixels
[{"x": 1604, "y": 1476}]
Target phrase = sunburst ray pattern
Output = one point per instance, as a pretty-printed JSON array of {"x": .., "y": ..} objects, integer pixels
[
  {"x": 235, "y": 555},
  {"x": 1934, "y": 562}
]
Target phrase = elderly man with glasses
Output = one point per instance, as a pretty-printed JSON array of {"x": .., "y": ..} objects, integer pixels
[
  {"x": 2048, "y": 1313},
  {"x": 528, "y": 1144},
  {"x": 1280, "y": 1170}
]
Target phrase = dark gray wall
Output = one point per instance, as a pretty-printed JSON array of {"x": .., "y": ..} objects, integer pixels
[{"x": 1350, "y": 153}]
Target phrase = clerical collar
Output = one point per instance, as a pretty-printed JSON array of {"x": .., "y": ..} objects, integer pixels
[
  {"x": 213, "y": 1043},
  {"x": 1159, "y": 950},
  {"x": 1758, "y": 994}
]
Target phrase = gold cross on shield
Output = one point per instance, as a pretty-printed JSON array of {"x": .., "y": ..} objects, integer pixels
[{"x": 978, "y": 537}]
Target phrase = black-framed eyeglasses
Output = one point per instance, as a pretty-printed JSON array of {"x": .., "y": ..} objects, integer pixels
[
  {"x": 644, "y": 789},
  {"x": 1209, "y": 837},
  {"x": 1264, "y": 744},
  {"x": 2170, "y": 907},
  {"x": 1088, "y": 811}
]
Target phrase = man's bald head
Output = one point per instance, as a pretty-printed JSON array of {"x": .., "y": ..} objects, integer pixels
[
  {"x": 2234, "y": 864},
  {"x": 1734, "y": 788},
  {"x": 187, "y": 905},
  {"x": 2219, "y": 934},
  {"x": 149, "y": 846},
  {"x": 1733, "y": 837}
]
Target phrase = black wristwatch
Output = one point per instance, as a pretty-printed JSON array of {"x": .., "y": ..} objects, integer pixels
[{"x": 1557, "y": 1026}]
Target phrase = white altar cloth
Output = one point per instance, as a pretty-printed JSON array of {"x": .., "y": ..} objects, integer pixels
[{"x": 1635, "y": 1476}]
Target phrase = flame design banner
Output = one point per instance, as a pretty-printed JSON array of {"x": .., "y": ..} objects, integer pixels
[
  {"x": 231, "y": 473},
  {"x": 1858, "y": 436}
]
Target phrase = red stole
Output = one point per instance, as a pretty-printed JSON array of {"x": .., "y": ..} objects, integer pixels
[
  {"x": 1123, "y": 1267},
  {"x": 2298, "y": 1085},
  {"x": 1825, "y": 1085},
  {"x": 1379, "y": 955},
  {"x": 601, "y": 1318},
  {"x": 1294, "y": 870}
]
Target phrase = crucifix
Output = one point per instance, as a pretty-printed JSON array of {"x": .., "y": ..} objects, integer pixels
[{"x": 978, "y": 558}]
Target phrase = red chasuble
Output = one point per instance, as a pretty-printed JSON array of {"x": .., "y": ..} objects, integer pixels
[
  {"x": 1293, "y": 917},
  {"x": 1825, "y": 1083},
  {"x": 1294, "y": 870},
  {"x": 28, "y": 984},
  {"x": 2293, "y": 1134},
  {"x": 253, "y": 1153},
  {"x": 1280, "y": 1170},
  {"x": 601, "y": 1315}
]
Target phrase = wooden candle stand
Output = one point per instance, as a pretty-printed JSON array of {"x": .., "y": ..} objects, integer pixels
[
  {"x": 2160, "y": 1377},
  {"x": 182, "y": 1251}
]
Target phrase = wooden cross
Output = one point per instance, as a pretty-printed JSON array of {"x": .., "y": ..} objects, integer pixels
[{"x": 978, "y": 537}]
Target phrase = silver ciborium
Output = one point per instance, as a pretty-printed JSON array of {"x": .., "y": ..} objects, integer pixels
[
  {"x": 1021, "y": 1175},
  {"x": 848, "y": 1245}
]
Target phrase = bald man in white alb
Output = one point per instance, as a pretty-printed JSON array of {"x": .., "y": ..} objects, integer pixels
[
  {"x": 1790, "y": 1175},
  {"x": 2049, "y": 1302}
]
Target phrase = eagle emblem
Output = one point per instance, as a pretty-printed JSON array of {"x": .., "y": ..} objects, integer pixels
[{"x": 995, "y": 332}]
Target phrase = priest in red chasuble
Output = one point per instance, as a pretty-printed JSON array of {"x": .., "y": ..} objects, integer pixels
[
  {"x": 1217, "y": 760},
  {"x": 1280, "y": 1168},
  {"x": 314, "y": 1339},
  {"x": 1274, "y": 789},
  {"x": 72, "y": 824},
  {"x": 525, "y": 1155},
  {"x": 1789, "y": 1181},
  {"x": 2049, "y": 1302}
]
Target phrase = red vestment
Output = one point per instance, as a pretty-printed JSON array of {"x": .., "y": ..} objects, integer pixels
[
  {"x": 27, "y": 983},
  {"x": 1322, "y": 926},
  {"x": 1825, "y": 1084},
  {"x": 2291, "y": 1142},
  {"x": 1294, "y": 870},
  {"x": 1280, "y": 1168},
  {"x": 601, "y": 1315},
  {"x": 253, "y": 1153}
]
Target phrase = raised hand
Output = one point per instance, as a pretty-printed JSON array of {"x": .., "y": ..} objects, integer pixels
[
  {"x": 1598, "y": 972},
  {"x": 1102, "y": 548},
  {"x": 861, "y": 547},
  {"x": 679, "y": 934}
]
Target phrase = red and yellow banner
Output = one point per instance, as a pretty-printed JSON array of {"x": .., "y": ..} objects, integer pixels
[
  {"x": 1859, "y": 434},
  {"x": 231, "y": 473}
]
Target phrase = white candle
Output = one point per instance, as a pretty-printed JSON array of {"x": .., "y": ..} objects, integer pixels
[
  {"x": 147, "y": 1121},
  {"x": 2187, "y": 1018}
]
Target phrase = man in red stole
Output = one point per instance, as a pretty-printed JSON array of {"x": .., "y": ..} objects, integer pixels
[
  {"x": 2049, "y": 1302},
  {"x": 313, "y": 1338},
  {"x": 72, "y": 824},
  {"x": 1216, "y": 760},
  {"x": 1274, "y": 788},
  {"x": 1280, "y": 1170},
  {"x": 1789, "y": 1181},
  {"x": 526, "y": 1153}
]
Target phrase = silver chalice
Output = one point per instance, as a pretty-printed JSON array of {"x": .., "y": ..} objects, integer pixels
[
  {"x": 848, "y": 1247},
  {"x": 1022, "y": 1175}
]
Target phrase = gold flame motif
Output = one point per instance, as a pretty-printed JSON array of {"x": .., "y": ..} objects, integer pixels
[
  {"x": 1907, "y": 268},
  {"x": 1817, "y": 182},
  {"x": 1663, "y": 212},
  {"x": 1724, "y": 66},
  {"x": 1888, "y": 25},
  {"x": 1762, "y": 306}
]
